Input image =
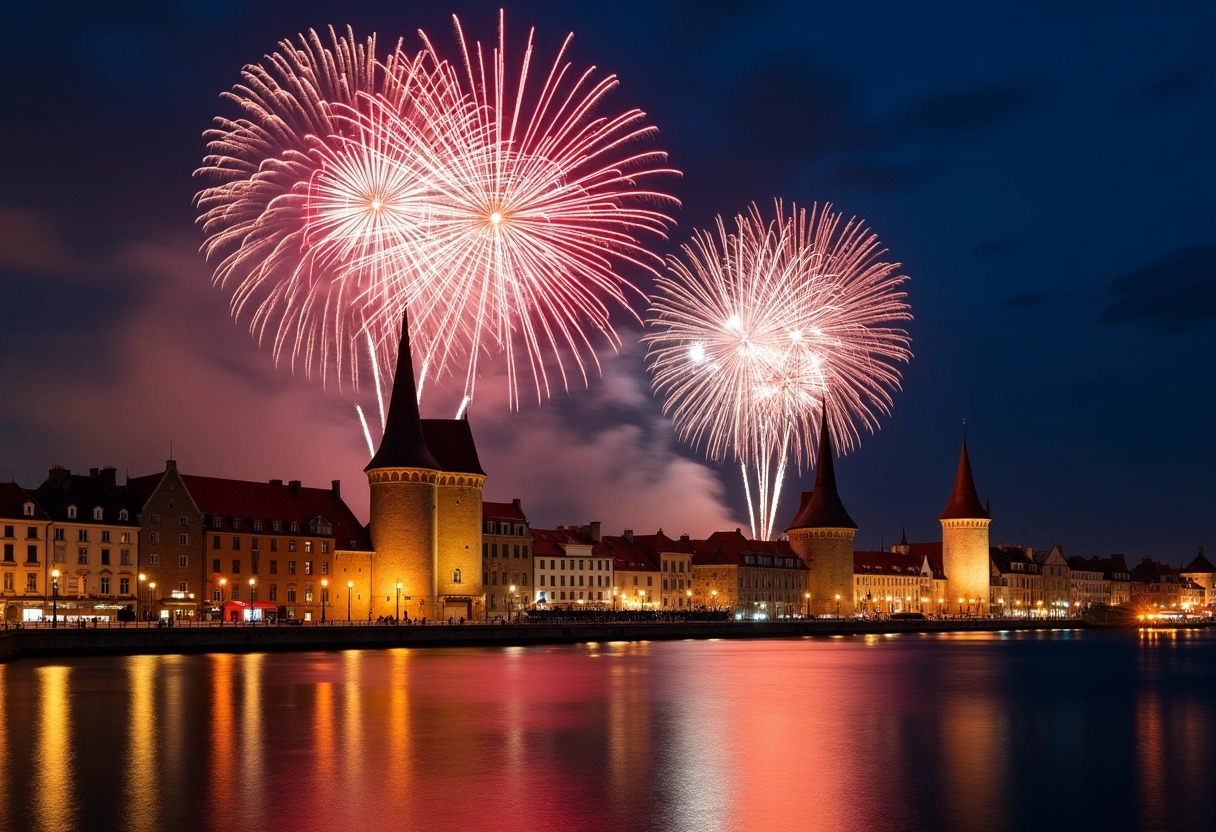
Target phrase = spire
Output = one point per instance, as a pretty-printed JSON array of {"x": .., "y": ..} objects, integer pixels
[
  {"x": 964, "y": 502},
  {"x": 903, "y": 537},
  {"x": 823, "y": 509},
  {"x": 402, "y": 445}
]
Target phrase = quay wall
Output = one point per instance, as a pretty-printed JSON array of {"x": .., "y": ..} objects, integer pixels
[{"x": 135, "y": 640}]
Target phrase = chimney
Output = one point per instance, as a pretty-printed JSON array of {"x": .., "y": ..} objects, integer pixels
[
  {"x": 336, "y": 487},
  {"x": 276, "y": 482},
  {"x": 595, "y": 531},
  {"x": 94, "y": 472},
  {"x": 59, "y": 476},
  {"x": 109, "y": 477},
  {"x": 628, "y": 535},
  {"x": 518, "y": 507},
  {"x": 294, "y": 485},
  {"x": 685, "y": 538}
]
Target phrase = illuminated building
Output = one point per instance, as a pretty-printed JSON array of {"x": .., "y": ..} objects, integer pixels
[
  {"x": 896, "y": 581},
  {"x": 94, "y": 541},
  {"x": 25, "y": 589},
  {"x": 965, "y": 550},
  {"x": 1201, "y": 572},
  {"x": 1016, "y": 584},
  {"x": 506, "y": 556},
  {"x": 674, "y": 559},
  {"x": 426, "y": 495},
  {"x": 572, "y": 567},
  {"x": 822, "y": 535},
  {"x": 755, "y": 578}
]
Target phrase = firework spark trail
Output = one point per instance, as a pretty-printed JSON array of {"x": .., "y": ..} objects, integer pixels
[{"x": 756, "y": 329}]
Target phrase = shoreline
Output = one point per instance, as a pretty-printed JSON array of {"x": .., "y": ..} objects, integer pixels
[{"x": 133, "y": 640}]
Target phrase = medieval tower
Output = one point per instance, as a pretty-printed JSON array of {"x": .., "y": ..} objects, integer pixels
[
  {"x": 426, "y": 486},
  {"x": 965, "y": 553},
  {"x": 822, "y": 535}
]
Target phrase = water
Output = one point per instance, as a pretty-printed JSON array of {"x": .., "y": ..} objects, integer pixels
[{"x": 981, "y": 731}]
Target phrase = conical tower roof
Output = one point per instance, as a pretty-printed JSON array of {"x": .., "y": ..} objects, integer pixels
[
  {"x": 964, "y": 502},
  {"x": 403, "y": 445},
  {"x": 823, "y": 509}
]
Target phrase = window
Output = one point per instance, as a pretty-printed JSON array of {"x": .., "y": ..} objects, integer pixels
[
  {"x": 257, "y": 525},
  {"x": 215, "y": 542},
  {"x": 31, "y": 582},
  {"x": 82, "y": 556},
  {"x": 154, "y": 519},
  {"x": 58, "y": 533},
  {"x": 215, "y": 522},
  {"x": 105, "y": 557},
  {"x": 274, "y": 567},
  {"x": 82, "y": 535},
  {"x": 216, "y": 596},
  {"x": 236, "y": 592},
  {"x": 236, "y": 522},
  {"x": 307, "y": 567},
  {"x": 291, "y": 545},
  {"x": 105, "y": 536},
  {"x": 98, "y": 513},
  {"x": 236, "y": 543},
  {"x": 154, "y": 538},
  {"x": 215, "y": 565},
  {"x": 236, "y": 567},
  {"x": 183, "y": 521},
  {"x": 253, "y": 544},
  {"x": 291, "y": 567},
  {"x": 8, "y": 582},
  {"x": 8, "y": 531},
  {"x": 71, "y": 512},
  {"x": 105, "y": 584},
  {"x": 308, "y": 593},
  {"x": 324, "y": 567},
  {"x": 276, "y": 526},
  {"x": 8, "y": 552},
  {"x": 456, "y": 576},
  {"x": 274, "y": 544},
  {"x": 181, "y": 587},
  {"x": 493, "y": 550},
  {"x": 324, "y": 548},
  {"x": 295, "y": 527},
  {"x": 291, "y": 594},
  {"x": 183, "y": 540},
  {"x": 153, "y": 560},
  {"x": 274, "y": 592},
  {"x": 253, "y": 563},
  {"x": 183, "y": 561},
  {"x": 125, "y": 537},
  {"x": 124, "y": 557},
  {"x": 308, "y": 546},
  {"x": 28, "y": 509}
]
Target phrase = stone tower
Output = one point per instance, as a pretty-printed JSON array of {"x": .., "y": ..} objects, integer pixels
[
  {"x": 458, "y": 494},
  {"x": 822, "y": 535},
  {"x": 403, "y": 477},
  {"x": 965, "y": 553}
]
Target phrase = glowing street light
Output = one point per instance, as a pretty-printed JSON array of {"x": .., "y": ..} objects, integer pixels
[
  {"x": 510, "y": 600},
  {"x": 807, "y": 596},
  {"x": 350, "y": 586},
  {"x": 54, "y": 598},
  {"x": 324, "y": 597},
  {"x": 397, "y": 617},
  {"x": 151, "y": 589},
  {"x": 838, "y": 605},
  {"x": 139, "y": 595},
  {"x": 223, "y": 583}
]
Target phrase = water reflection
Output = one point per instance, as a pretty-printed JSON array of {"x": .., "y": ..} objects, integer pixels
[
  {"x": 54, "y": 757},
  {"x": 1003, "y": 731}
]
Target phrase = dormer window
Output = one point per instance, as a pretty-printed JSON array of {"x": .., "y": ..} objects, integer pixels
[
  {"x": 257, "y": 525},
  {"x": 29, "y": 509},
  {"x": 215, "y": 522},
  {"x": 295, "y": 527},
  {"x": 236, "y": 522},
  {"x": 71, "y": 512},
  {"x": 276, "y": 525},
  {"x": 98, "y": 514},
  {"x": 124, "y": 515}
]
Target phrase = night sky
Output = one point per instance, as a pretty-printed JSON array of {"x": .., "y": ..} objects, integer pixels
[{"x": 1043, "y": 171}]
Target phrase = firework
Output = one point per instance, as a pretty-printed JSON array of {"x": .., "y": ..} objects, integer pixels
[
  {"x": 538, "y": 205},
  {"x": 758, "y": 328}
]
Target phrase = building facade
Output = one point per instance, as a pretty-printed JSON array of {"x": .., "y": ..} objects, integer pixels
[
  {"x": 965, "y": 550},
  {"x": 506, "y": 556},
  {"x": 25, "y": 589}
]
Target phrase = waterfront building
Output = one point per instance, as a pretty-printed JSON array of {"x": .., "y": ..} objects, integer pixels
[
  {"x": 674, "y": 559},
  {"x": 571, "y": 567},
  {"x": 895, "y": 581},
  {"x": 94, "y": 542},
  {"x": 754, "y": 578},
  {"x": 170, "y": 546},
  {"x": 965, "y": 550},
  {"x": 1087, "y": 585},
  {"x": 1156, "y": 587},
  {"x": 1201, "y": 572},
  {"x": 25, "y": 572},
  {"x": 1057, "y": 581},
  {"x": 637, "y": 579},
  {"x": 821, "y": 535},
  {"x": 1016, "y": 584},
  {"x": 426, "y": 497},
  {"x": 506, "y": 556}
]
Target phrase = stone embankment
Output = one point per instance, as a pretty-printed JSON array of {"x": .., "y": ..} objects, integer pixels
[{"x": 134, "y": 640}]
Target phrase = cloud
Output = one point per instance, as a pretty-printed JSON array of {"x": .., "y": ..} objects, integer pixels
[
  {"x": 1173, "y": 294},
  {"x": 1187, "y": 81},
  {"x": 964, "y": 113},
  {"x": 1028, "y": 300},
  {"x": 30, "y": 244}
]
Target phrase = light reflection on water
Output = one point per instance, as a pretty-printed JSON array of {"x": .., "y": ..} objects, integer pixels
[{"x": 937, "y": 732}]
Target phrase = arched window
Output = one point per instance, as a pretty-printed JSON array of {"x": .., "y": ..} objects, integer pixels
[{"x": 456, "y": 577}]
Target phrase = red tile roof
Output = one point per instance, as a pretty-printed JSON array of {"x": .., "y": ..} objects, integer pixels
[
  {"x": 823, "y": 508},
  {"x": 403, "y": 445},
  {"x": 887, "y": 563},
  {"x": 551, "y": 542},
  {"x": 964, "y": 501},
  {"x": 1200, "y": 565},
  {"x": 653, "y": 544},
  {"x": 731, "y": 548},
  {"x": 502, "y": 511},
  {"x": 12, "y": 503},
  {"x": 627, "y": 555}
]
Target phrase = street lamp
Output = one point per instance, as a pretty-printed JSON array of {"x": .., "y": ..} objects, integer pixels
[
  {"x": 253, "y": 582},
  {"x": 397, "y": 617},
  {"x": 714, "y": 595},
  {"x": 807, "y": 596},
  {"x": 139, "y": 595},
  {"x": 510, "y": 600},
  {"x": 960, "y": 605},
  {"x": 689, "y": 594},
  {"x": 350, "y": 585},
  {"x": 838, "y": 605},
  {"x": 54, "y": 598},
  {"x": 614, "y": 599},
  {"x": 324, "y": 597},
  {"x": 223, "y": 582},
  {"x": 151, "y": 589}
]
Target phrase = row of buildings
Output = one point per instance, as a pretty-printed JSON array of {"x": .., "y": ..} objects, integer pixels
[{"x": 176, "y": 545}]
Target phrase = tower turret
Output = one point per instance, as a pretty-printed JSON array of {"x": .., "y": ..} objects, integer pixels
[
  {"x": 965, "y": 553},
  {"x": 822, "y": 535}
]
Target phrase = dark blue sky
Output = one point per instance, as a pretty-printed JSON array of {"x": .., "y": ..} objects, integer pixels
[{"x": 1044, "y": 172}]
